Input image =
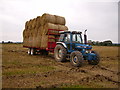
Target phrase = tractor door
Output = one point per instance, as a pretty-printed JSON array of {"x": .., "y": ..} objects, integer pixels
[
  {"x": 76, "y": 39},
  {"x": 67, "y": 40},
  {"x": 73, "y": 41}
]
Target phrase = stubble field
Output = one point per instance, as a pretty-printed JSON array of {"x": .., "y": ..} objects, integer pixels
[{"x": 20, "y": 70}]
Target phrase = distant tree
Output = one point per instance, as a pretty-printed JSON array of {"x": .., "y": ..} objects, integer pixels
[
  {"x": 3, "y": 42},
  {"x": 107, "y": 43},
  {"x": 97, "y": 43},
  {"x": 104, "y": 43},
  {"x": 90, "y": 42},
  {"x": 10, "y": 42}
]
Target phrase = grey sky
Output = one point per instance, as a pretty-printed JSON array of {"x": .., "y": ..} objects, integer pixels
[{"x": 99, "y": 17}]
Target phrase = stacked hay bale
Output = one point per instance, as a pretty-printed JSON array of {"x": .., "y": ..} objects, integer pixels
[{"x": 35, "y": 33}]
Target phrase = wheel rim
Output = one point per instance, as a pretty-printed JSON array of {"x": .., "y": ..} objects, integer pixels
[
  {"x": 75, "y": 59},
  {"x": 60, "y": 53},
  {"x": 31, "y": 51}
]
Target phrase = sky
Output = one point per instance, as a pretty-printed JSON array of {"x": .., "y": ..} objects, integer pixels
[{"x": 99, "y": 17}]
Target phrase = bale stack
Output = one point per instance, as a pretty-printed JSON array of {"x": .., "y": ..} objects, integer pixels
[{"x": 35, "y": 33}]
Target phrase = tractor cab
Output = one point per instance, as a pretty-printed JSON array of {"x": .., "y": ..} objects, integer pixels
[{"x": 72, "y": 41}]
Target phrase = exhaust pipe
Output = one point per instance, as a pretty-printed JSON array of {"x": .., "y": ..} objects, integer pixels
[{"x": 85, "y": 37}]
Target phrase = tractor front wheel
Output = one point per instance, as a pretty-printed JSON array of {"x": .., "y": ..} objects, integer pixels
[
  {"x": 60, "y": 53},
  {"x": 76, "y": 58},
  {"x": 94, "y": 62}
]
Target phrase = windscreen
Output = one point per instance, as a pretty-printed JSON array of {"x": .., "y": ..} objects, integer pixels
[{"x": 77, "y": 38}]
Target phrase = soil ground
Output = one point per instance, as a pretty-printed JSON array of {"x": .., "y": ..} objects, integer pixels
[{"x": 20, "y": 70}]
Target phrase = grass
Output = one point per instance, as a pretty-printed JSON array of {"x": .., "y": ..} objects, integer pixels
[
  {"x": 74, "y": 86},
  {"x": 107, "y": 51},
  {"x": 17, "y": 62},
  {"x": 32, "y": 70}
]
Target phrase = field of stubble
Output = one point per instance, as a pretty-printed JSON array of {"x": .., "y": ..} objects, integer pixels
[{"x": 20, "y": 70}]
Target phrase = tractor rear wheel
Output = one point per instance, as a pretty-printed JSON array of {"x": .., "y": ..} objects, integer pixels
[
  {"x": 60, "y": 53},
  {"x": 94, "y": 62},
  {"x": 76, "y": 58}
]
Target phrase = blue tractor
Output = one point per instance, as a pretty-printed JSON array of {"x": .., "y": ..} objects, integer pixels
[{"x": 71, "y": 45}]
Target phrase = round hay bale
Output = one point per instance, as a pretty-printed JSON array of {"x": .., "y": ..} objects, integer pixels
[
  {"x": 38, "y": 41},
  {"x": 30, "y": 24},
  {"x": 44, "y": 41},
  {"x": 27, "y": 41},
  {"x": 47, "y": 18},
  {"x": 35, "y": 32},
  {"x": 50, "y": 26},
  {"x": 33, "y": 23},
  {"x": 60, "y": 20},
  {"x": 34, "y": 41},
  {"x": 26, "y": 25},
  {"x": 38, "y": 21},
  {"x": 24, "y": 33},
  {"x": 30, "y": 41},
  {"x": 40, "y": 30},
  {"x": 62, "y": 27},
  {"x": 27, "y": 33}
]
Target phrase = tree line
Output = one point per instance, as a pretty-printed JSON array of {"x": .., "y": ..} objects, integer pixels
[
  {"x": 96, "y": 43},
  {"x": 104, "y": 43}
]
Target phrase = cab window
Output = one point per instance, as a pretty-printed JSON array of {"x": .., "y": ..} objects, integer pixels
[
  {"x": 76, "y": 38},
  {"x": 61, "y": 38},
  {"x": 67, "y": 38}
]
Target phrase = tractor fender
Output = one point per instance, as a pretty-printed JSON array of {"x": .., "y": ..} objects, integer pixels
[{"x": 62, "y": 43}]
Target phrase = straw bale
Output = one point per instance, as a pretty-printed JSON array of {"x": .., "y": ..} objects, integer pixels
[
  {"x": 44, "y": 40},
  {"x": 24, "y": 33},
  {"x": 38, "y": 21},
  {"x": 40, "y": 30},
  {"x": 62, "y": 27},
  {"x": 38, "y": 41},
  {"x": 60, "y": 20},
  {"x": 47, "y": 18},
  {"x": 33, "y": 23},
  {"x": 49, "y": 26},
  {"x": 26, "y": 25},
  {"x": 30, "y": 24}
]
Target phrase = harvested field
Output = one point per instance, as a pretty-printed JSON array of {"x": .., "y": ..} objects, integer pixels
[{"x": 20, "y": 70}]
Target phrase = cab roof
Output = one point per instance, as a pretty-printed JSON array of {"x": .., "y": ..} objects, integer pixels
[{"x": 73, "y": 32}]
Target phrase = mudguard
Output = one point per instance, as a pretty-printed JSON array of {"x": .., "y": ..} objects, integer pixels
[{"x": 62, "y": 43}]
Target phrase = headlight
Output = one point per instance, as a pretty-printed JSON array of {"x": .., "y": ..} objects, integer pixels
[
  {"x": 79, "y": 46},
  {"x": 88, "y": 51}
]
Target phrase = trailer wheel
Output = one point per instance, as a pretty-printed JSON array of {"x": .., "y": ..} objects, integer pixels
[
  {"x": 60, "y": 53},
  {"x": 94, "y": 62},
  {"x": 33, "y": 51},
  {"x": 76, "y": 58},
  {"x": 29, "y": 51}
]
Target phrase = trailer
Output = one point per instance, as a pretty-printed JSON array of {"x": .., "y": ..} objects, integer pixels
[{"x": 50, "y": 45}]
